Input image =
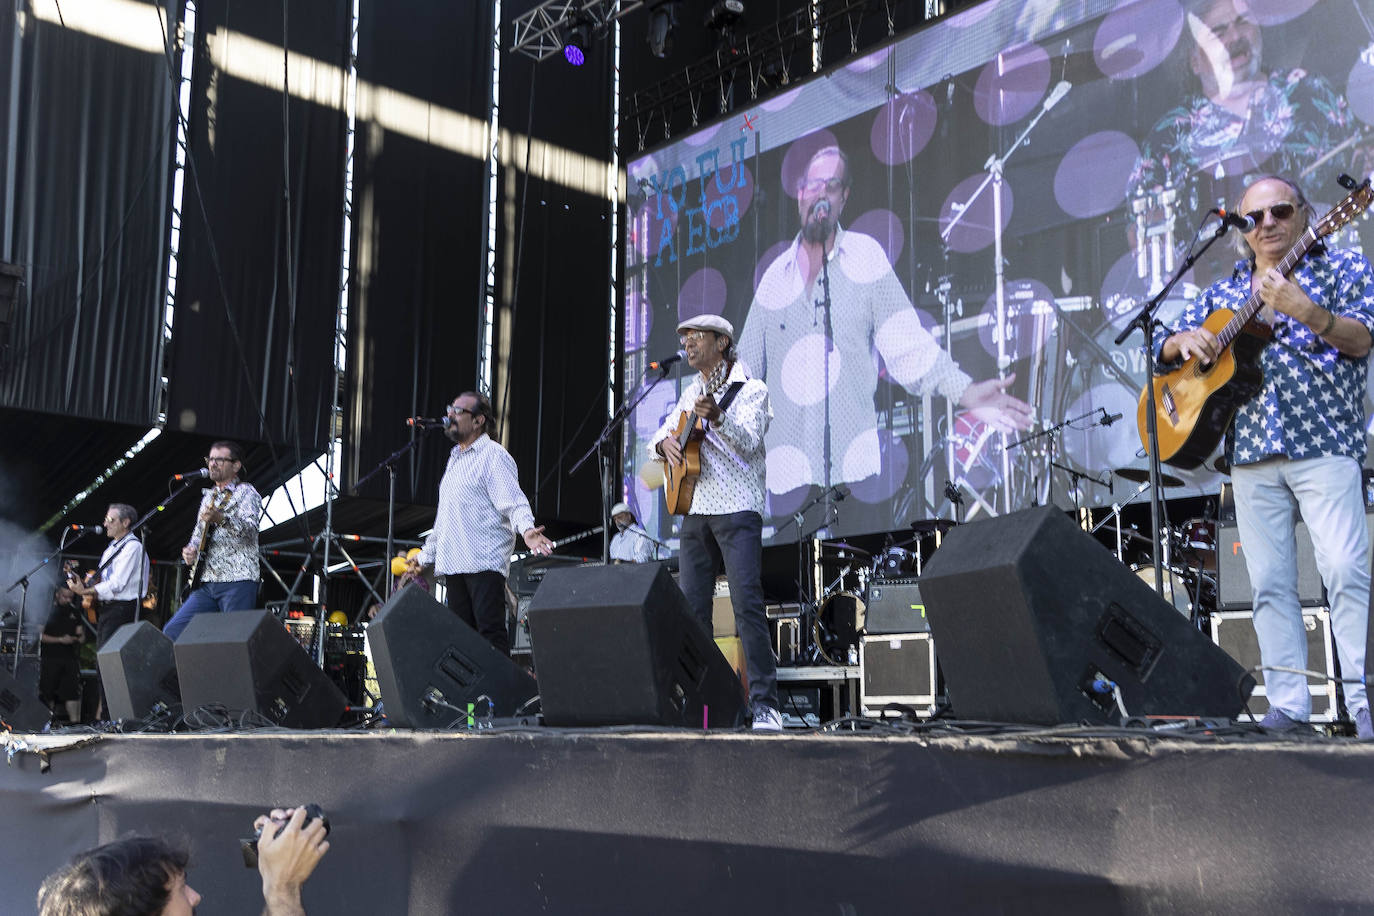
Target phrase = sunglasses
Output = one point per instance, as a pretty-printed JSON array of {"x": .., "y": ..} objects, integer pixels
[{"x": 1280, "y": 212}]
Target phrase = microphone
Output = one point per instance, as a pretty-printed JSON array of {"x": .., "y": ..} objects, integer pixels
[
  {"x": 1056, "y": 96},
  {"x": 1238, "y": 220},
  {"x": 429, "y": 422},
  {"x": 1108, "y": 418},
  {"x": 677, "y": 357},
  {"x": 190, "y": 475},
  {"x": 93, "y": 529}
]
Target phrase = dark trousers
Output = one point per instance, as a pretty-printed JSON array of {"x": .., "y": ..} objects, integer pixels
[
  {"x": 110, "y": 617},
  {"x": 479, "y": 600},
  {"x": 737, "y": 541}
]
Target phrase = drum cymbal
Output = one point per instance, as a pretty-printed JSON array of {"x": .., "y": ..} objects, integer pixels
[
  {"x": 841, "y": 545},
  {"x": 1138, "y": 475},
  {"x": 932, "y": 525}
]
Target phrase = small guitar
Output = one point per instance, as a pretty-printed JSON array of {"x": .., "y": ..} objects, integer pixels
[
  {"x": 205, "y": 530},
  {"x": 89, "y": 603},
  {"x": 1196, "y": 402},
  {"x": 679, "y": 482}
]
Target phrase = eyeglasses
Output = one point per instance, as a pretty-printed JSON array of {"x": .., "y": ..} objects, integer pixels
[
  {"x": 1280, "y": 212},
  {"x": 816, "y": 185},
  {"x": 215, "y": 459},
  {"x": 453, "y": 408},
  {"x": 691, "y": 335}
]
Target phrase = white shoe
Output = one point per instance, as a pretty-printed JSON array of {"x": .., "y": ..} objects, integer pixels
[{"x": 767, "y": 719}]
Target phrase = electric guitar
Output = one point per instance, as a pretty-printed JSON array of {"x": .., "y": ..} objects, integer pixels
[
  {"x": 1196, "y": 402},
  {"x": 205, "y": 530}
]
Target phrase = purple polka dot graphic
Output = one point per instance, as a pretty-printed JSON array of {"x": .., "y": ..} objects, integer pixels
[
  {"x": 1136, "y": 37},
  {"x": 973, "y": 229},
  {"x": 703, "y": 293},
  {"x": 1092, "y": 177},
  {"x": 1011, "y": 84},
  {"x": 903, "y": 127}
]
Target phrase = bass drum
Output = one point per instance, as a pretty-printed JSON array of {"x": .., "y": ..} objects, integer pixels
[
  {"x": 839, "y": 621},
  {"x": 1176, "y": 590}
]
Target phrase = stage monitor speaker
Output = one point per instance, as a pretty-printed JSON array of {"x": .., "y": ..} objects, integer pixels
[
  {"x": 20, "y": 708},
  {"x": 246, "y": 660},
  {"x": 617, "y": 645},
  {"x": 895, "y": 606},
  {"x": 1027, "y": 611},
  {"x": 431, "y": 665},
  {"x": 139, "y": 671}
]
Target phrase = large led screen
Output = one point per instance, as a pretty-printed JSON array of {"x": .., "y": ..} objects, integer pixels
[{"x": 1010, "y": 185}]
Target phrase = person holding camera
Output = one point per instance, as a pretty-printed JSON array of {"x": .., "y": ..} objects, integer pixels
[{"x": 146, "y": 876}]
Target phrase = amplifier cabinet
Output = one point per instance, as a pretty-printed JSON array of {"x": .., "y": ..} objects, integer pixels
[
  {"x": 895, "y": 606},
  {"x": 897, "y": 668},
  {"x": 1233, "y": 579},
  {"x": 1234, "y": 632}
]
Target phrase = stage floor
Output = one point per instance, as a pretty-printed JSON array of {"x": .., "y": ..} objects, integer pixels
[{"x": 884, "y": 820}]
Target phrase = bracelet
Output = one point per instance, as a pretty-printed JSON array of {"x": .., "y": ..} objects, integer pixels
[{"x": 1331, "y": 323}]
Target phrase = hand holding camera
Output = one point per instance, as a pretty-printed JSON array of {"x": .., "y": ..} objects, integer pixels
[{"x": 287, "y": 855}]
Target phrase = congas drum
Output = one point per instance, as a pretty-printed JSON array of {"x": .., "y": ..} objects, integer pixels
[
  {"x": 1175, "y": 585},
  {"x": 838, "y": 624}
]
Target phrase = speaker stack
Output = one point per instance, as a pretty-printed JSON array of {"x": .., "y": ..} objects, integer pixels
[
  {"x": 617, "y": 645},
  {"x": 1028, "y": 611}
]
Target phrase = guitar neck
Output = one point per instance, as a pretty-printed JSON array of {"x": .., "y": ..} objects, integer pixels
[{"x": 1253, "y": 304}]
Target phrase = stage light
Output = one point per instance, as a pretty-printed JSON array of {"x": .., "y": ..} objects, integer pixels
[
  {"x": 577, "y": 41},
  {"x": 662, "y": 22},
  {"x": 724, "y": 14}
]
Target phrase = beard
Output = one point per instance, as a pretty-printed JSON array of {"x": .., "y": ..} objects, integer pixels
[{"x": 817, "y": 229}]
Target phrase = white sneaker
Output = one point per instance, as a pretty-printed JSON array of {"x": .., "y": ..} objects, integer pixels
[{"x": 767, "y": 719}]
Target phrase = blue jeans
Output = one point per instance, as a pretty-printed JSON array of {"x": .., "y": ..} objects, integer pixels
[
  {"x": 737, "y": 539},
  {"x": 1327, "y": 493},
  {"x": 213, "y": 596}
]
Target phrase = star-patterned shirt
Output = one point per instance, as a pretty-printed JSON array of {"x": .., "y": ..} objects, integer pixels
[
  {"x": 233, "y": 552},
  {"x": 481, "y": 512},
  {"x": 1312, "y": 401},
  {"x": 783, "y": 343},
  {"x": 732, "y": 452}
]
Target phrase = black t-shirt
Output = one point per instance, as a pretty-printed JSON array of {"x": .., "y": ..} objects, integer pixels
[{"x": 65, "y": 620}]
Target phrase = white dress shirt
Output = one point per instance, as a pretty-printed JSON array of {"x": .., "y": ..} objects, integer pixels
[
  {"x": 732, "y": 453},
  {"x": 126, "y": 578},
  {"x": 482, "y": 510},
  {"x": 632, "y": 545}
]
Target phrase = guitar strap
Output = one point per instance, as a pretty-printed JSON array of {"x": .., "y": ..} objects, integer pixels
[{"x": 730, "y": 395}]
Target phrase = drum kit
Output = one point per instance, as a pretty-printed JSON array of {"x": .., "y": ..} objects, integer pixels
[{"x": 839, "y": 619}]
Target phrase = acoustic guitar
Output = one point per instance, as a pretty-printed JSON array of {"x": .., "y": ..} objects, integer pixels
[
  {"x": 679, "y": 482},
  {"x": 1196, "y": 402}
]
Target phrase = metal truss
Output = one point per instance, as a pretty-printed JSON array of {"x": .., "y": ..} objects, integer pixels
[
  {"x": 764, "y": 56},
  {"x": 539, "y": 32}
]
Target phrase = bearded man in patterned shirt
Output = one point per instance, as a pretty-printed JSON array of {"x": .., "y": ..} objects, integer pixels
[
  {"x": 226, "y": 533},
  {"x": 1297, "y": 447},
  {"x": 725, "y": 520}
]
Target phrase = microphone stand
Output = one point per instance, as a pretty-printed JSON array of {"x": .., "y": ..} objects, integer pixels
[
  {"x": 22, "y": 583},
  {"x": 805, "y": 593},
  {"x": 996, "y": 168},
  {"x": 824, "y": 304},
  {"x": 1049, "y": 433},
  {"x": 389, "y": 462},
  {"x": 1145, "y": 321},
  {"x": 600, "y": 448}
]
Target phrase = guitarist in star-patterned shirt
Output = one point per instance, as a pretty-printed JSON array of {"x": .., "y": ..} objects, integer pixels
[{"x": 1298, "y": 443}]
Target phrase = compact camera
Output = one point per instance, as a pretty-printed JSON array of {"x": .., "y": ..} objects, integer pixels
[{"x": 249, "y": 845}]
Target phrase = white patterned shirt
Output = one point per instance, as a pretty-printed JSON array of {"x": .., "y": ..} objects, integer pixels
[
  {"x": 232, "y": 555},
  {"x": 632, "y": 545},
  {"x": 783, "y": 343},
  {"x": 126, "y": 578},
  {"x": 482, "y": 510},
  {"x": 733, "y": 451}
]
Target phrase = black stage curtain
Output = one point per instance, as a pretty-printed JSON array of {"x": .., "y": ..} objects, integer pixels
[
  {"x": 556, "y": 282},
  {"x": 419, "y": 193},
  {"x": 249, "y": 360},
  {"x": 86, "y": 217}
]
